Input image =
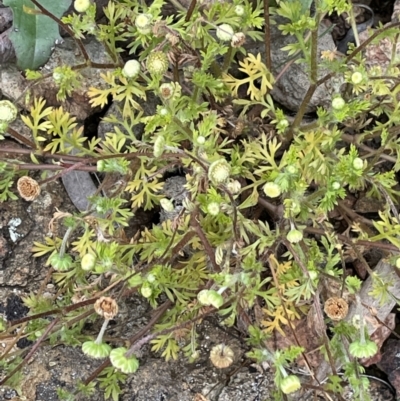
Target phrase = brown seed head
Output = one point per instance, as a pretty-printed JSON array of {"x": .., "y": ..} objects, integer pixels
[
  {"x": 106, "y": 307},
  {"x": 238, "y": 39},
  {"x": 221, "y": 356},
  {"x": 28, "y": 188},
  {"x": 336, "y": 308}
]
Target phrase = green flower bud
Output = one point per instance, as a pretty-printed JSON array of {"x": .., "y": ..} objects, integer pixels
[
  {"x": 88, "y": 261},
  {"x": 94, "y": 350},
  {"x": 210, "y": 297},
  {"x": 358, "y": 163},
  {"x": 58, "y": 77},
  {"x": 363, "y": 350},
  {"x": 146, "y": 290},
  {"x": 283, "y": 124},
  {"x": 123, "y": 363},
  {"x": 201, "y": 140},
  {"x": 225, "y": 32},
  {"x": 239, "y": 10},
  {"x": 3, "y": 128},
  {"x": 8, "y": 112},
  {"x": 338, "y": 103},
  {"x": 159, "y": 146},
  {"x": 219, "y": 171},
  {"x": 101, "y": 164},
  {"x": 356, "y": 78},
  {"x": 81, "y": 5},
  {"x": 163, "y": 112},
  {"x": 291, "y": 169},
  {"x": 290, "y": 384},
  {"x": 398, "y": 263},
  {"x": 157, "y": 63},
  {"x": 213, "y": 208},
  {"x": 131, "y": 69},
  {"x": 143, "y": 23},
  {"x": 272, "y": 190},
  {"x": 336, "y": 185},
  {"x": 294, "y": 236},
  {"x": 60, "y": 263}
]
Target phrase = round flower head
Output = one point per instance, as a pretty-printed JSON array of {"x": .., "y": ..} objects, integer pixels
[
  {"x": 95, "y": 350},
  {"x": 336, "y": 185},
  {"x": 225, "y": 32},
  {"x": 272, "y": 190},
  {"x": 213, "y": 208},
  {"x": 88, "y": 261},
  {"x": 81, "y": 5},
  {"x": 8, "y": 112},
  {"x": 159, "y": 146},
  {"x": 338, "y": 103},
  {"x": 290, "y": 384},
  {"x": 146, "y": 290},
  {"x": 28, "y": 188},
  {"x": 201, "y": 140},
  {"x": 157, "y": 63},
  {"x": 210, "y": 298},
  {"x": 336, "y": 308},
  {"x": 358, "y": 163},
  {"x": 356, "y": 78},
  {"x": 123, "y": 363},
  {"x": 219, "y": 171},
  {"x": 60, "y": 263},
  {"x": 221, "y": 356},
  {"x": 131, "y": 69},
  {"x": 106, "y": 307},
  {"x": 294, "y": 236},
  {"x": 239, "y": 10},
  {"x": 360, "y": 349},
  {"x": 143, "y": 23},
  {"x": 283, "y": 124}
]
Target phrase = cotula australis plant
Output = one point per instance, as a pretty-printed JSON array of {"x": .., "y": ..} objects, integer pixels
[{"x": 254, "y": 226}]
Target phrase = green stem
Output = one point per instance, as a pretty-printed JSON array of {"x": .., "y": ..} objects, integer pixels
[{"x": 99, "y": 338}]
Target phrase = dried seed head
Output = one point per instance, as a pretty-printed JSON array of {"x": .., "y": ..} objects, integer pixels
[
  {"x": 106, "y": 307},
  {"x": 238, "y": 39},
  {"x": 28, "y": 188},
  {"x": 336, "y": 308},
  {"x": 221, "y": 356}
]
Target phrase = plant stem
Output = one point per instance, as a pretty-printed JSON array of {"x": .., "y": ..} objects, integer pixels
[
  {"x": 267, "y": 35},
  {"x": 31, "y": 352},
  {"x": 103, "y": 329}
]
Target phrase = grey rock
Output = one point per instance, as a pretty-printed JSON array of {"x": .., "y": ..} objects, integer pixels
[
  {"x": 15, "y": 87},
  {"x": 292, "y": 85}
]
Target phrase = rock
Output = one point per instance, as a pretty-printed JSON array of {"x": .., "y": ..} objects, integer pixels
[
  {"x": 14, "y": 85},
  {"x": 292, "y": 86}
]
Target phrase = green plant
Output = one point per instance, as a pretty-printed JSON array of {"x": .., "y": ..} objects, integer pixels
[{"x": 214, "y": 256}]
